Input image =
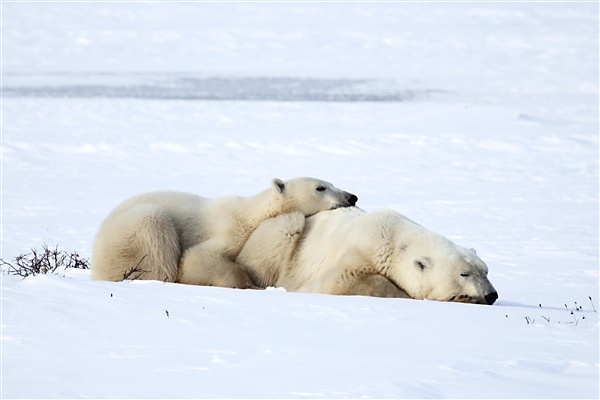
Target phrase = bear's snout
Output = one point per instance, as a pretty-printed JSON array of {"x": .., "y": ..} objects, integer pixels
[
  {"x": 352, "y": 199},
  {"x": 490, "y": 298}
]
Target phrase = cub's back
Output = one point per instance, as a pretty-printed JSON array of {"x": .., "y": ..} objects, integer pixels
[{"x": 184, "y": 209}]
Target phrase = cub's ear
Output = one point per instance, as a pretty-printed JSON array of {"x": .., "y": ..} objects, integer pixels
[
  {"x": 421, "y": 263},
  {"x": 278, "y": 184},
  {"x": 473, "y": 250}
]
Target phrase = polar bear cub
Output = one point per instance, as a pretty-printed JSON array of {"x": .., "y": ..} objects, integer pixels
[
  {"x": 181, "y": 237},
  {"x": 351, "y": 252}
]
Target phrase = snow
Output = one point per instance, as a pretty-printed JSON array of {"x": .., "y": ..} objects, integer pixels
[
  {"x": 477, "y": 120},
  {"x": 116, "y": 340}
]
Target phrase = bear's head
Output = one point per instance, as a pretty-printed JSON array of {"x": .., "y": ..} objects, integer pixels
[
  {"x": 441, "y": 270},
  {"x": 311, "y": 195}
]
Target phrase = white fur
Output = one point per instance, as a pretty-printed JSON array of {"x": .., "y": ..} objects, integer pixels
[
  {"x": 173, "y": 236},
  {"x": 348, "y": 251}
]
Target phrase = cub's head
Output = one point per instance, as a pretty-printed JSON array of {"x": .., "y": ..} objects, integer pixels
[
  {"x": 310, "y": 195},
  {"x": 446, "y": 272}
]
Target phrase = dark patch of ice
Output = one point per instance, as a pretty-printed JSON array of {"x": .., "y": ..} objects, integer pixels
[{"x": 214, "y": 88}]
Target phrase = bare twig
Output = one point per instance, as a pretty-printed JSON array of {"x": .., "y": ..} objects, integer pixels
[
  {"x": 590, "y": 297},
  {"x": 136, "y": 269},
  {"x": 45, "y": 262}
]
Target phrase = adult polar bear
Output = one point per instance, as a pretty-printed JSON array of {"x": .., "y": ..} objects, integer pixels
[
  {"x": 181, "y": 237},
  {"x": 351, "y": 252}
]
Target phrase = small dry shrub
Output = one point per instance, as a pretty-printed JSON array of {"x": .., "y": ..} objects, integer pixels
[{"x": 46, "y": 261}]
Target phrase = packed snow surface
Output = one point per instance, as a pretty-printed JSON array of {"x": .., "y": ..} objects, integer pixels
[{"x": 477, "y": 120}]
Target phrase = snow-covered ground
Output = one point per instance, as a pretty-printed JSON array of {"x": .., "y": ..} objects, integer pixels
[{"x": 477, "y": 120}]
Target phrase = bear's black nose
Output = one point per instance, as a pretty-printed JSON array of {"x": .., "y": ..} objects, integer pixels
[
  {"x": 352, "y": 199},
  {"x": 490, "y": 298}
]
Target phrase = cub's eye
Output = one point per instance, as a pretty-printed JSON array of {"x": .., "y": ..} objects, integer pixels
[
  {"x": 321, "y": 188},
  {"x": 464, "y": 274}
]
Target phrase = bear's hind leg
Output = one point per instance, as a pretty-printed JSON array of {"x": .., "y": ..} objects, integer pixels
[
  {"x": 138, "y": 243},
  {"x": 201, "y": 265}
]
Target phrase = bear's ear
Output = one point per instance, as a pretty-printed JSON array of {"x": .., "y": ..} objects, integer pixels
[
  {"x": 473, "y": 250},
  {"x": 278, "y": 184},
  {"x": 421, "y": 263}
]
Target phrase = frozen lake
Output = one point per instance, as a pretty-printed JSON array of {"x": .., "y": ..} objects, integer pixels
[{"x": 179, "y": 86}]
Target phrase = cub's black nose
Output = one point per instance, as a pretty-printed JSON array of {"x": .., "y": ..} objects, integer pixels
[
  {"x": 490, "y": 298},
  {"x": 352, "y": 199}
]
